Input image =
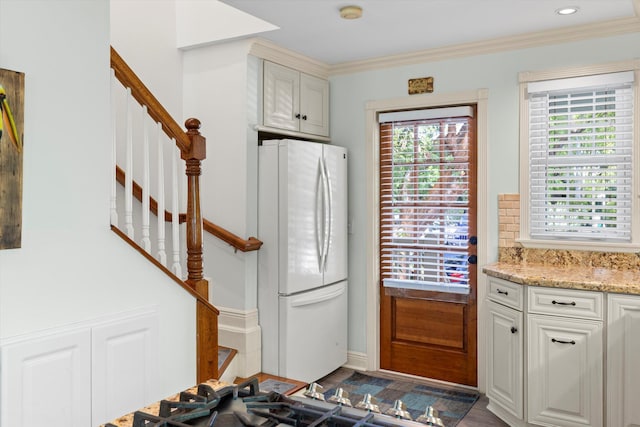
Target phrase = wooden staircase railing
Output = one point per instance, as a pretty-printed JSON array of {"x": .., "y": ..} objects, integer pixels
[
  {"x": 238, "y": 243},
  {"x": 192, "y": 150}
]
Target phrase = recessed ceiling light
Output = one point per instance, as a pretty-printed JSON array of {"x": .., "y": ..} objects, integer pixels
[
  {"x": 351, "y": 12},
  {"x": 569, "y": 10}
]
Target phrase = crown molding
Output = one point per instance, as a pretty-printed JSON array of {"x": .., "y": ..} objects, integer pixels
[
  {"x": 541, "y": 38},
  {"x": 265, "y": 49}
]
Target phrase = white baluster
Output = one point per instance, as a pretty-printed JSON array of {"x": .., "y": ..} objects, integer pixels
[
  {"x": 175, "y": 214},
  {"x": 128, "y": 182},
  {"x": 162, "y": 254},
  {"x": 114, "y": 139},
  {"x": 146, "y": 242}
]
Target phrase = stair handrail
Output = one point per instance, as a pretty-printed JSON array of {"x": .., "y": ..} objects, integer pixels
[
  {"x": 238, "y": 243},
  {"x": 143, "y": 95}
]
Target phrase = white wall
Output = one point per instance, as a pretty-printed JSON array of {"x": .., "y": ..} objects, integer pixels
[
  {"x": 496, "y": 72},
  {"x": 71, "y": 267},
  {"x": 201, "y": 23},
  {"x": 144, "y": 34},
  {"x": 215, "y": 82}
]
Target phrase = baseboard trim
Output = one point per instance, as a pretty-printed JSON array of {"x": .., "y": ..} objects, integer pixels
[
  {"x": 239, "y": 329},
  {"x": 504, "y": 415},
  {"x": 356, "y": 360}
]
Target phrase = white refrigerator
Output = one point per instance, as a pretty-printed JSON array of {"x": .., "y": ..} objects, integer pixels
[{"x": 302, "y": 265}]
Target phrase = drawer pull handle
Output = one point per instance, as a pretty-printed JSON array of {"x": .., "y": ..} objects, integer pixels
[
  {"x": 500, "y": 291},
  {"x": 572, "y": 342},
  {"x": 563, "y": 303},
  {"x": 514, "y": 329}
]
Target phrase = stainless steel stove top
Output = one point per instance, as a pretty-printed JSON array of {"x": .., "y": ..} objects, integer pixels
[{"x": 245, "y": 406}]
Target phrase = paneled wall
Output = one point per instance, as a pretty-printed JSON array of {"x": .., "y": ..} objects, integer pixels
[{"x": 81, "y": 375}]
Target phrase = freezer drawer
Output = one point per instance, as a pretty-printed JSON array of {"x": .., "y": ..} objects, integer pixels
[{"x": 313, "y": 332}]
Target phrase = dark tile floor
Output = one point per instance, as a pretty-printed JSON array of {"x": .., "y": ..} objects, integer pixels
[{"x": 476, "y": 417}]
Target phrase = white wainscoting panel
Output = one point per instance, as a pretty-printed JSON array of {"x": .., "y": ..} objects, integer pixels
[
  {"x": 125, "y": 368},
  {"x": 47, "y": 381},
  {"x": 80, "y": 376}
]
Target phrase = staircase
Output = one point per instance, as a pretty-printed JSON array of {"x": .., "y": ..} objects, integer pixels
[{"x": 144, "y": 130}]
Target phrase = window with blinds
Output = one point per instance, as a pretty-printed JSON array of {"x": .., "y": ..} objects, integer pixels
[
  {"x": 424, "y": 199},
  {"x": 580, "y": 158}
]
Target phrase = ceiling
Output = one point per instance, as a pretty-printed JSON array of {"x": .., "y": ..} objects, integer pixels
[{"x": 392, "y": 27}]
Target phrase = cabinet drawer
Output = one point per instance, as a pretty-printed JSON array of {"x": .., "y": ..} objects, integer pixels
[
  {"x": 566, "y": 302},
  {"x": 505, "y": 292}
]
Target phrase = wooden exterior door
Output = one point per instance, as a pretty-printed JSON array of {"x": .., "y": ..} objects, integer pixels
[{"x": 428, "y": 245}]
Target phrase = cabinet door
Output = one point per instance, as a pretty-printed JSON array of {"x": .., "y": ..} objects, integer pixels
[
  {"x": 564, "y": 371},
  {"x": 281, "y": 97},
  {"x": 314, "y": 105},
  {"x": 504, "y": 356},
  {"x": 623, "y": 369}
]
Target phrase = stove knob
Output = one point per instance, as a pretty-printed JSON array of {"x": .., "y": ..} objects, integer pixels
[
  {"x": 340, "y": 397},
  {"x": 369, "y": 403},
  {"x": 313, "y": 391},
  {"x": 430, "y": 417},
  {"x": 399, "y": 410}
]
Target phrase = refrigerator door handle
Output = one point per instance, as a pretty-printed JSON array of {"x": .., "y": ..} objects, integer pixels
[
  {"x": 326, "y": 225},
  {"x": 319, "y": 222},
  {"x": 328, "y": 215},
  {"x": 300, "y": 302}
]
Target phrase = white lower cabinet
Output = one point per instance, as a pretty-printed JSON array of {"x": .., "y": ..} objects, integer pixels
[
  {"x": 564, "y": 371},
  {"x": 623, "y": 361},
  {"x": 504, "y": 356},
  {"x": 546, "y": 355}
]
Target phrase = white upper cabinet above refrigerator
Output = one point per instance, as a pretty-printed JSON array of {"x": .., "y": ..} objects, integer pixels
[{"x": 295, "y": 101}]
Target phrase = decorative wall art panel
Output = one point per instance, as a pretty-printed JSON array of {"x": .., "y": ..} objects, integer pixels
[{"x": 11, "y": 149}]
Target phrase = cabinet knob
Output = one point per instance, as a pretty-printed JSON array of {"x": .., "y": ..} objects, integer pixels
[
  {"x": 298, "y": 116},
  {"x": 514, "y": 329},
  {"x": 304, "y": 117}
]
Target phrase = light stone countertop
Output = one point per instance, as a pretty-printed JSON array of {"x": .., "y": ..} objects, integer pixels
[{"x": 603, "y": 279}]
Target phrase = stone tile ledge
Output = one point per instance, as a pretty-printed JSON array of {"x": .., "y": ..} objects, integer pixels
[
  {"x": 563, "y": 258},
  {"x": 603, "y": 279}
]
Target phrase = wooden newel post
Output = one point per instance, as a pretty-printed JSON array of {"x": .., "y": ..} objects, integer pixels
[{"x": 193, "y": 158}]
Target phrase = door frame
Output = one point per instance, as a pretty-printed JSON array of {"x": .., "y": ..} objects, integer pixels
[{"x": 480, "y": 98}]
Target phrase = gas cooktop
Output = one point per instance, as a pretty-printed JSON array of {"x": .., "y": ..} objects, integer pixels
[{"x": 244, "y": 405}]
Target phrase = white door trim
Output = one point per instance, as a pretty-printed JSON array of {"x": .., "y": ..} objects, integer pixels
[{"x": 479, "y": 97}]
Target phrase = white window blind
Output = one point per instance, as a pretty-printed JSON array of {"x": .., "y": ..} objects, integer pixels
[
  {"x": 424, "y": 199},
  {"x": 580, "y": 158}
]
